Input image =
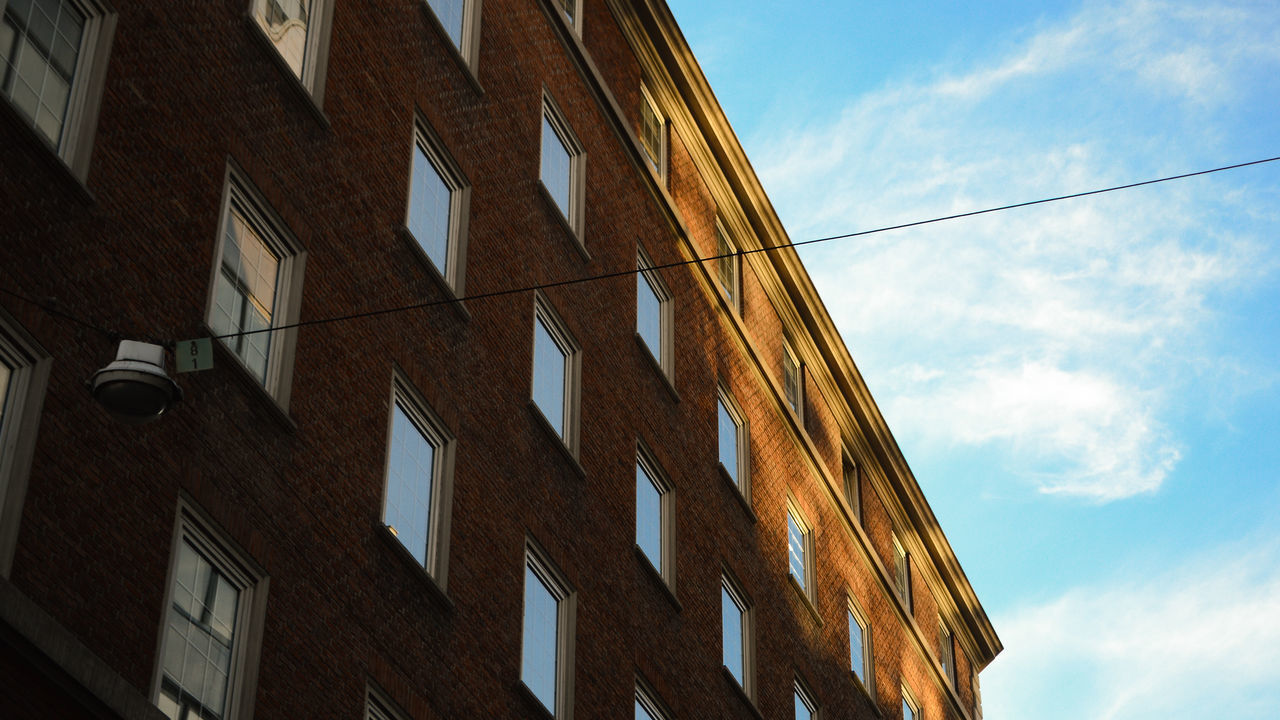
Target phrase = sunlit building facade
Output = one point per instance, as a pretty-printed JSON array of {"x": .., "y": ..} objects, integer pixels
[{"x": 519, "y": 404}]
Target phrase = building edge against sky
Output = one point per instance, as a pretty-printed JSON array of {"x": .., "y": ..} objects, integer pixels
[{"x": 432, "y": 513}]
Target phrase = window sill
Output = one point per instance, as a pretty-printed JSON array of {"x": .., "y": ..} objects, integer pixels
[
  {"x": 534, "y": 702},
  {"x": 429, "y": 268},
  {"x": 656, "y": 576},
  {"x": 657, "y": 367},
  {"x": 556, "y": 212},
  {"x": 805, "y": 599},
  {"x": 741, "y": 693},
  {"x": 736, "y": 491},
  {"x": 434, "y": 590},
  {"x": 467, "y": 71},
  {"x": 227, "y": 359},
  {"x": 23, "y": 131},
  {"x": 557, "y": 441},
  {"x": 292, "y": 80}
]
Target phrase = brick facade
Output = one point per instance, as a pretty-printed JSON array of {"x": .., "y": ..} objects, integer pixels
[{"x": 299, "y": 491}]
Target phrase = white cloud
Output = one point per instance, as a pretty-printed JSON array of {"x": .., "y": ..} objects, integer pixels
[
  {"x": 1200, "y": 641},
  {"x": 1053, "y": 335}
]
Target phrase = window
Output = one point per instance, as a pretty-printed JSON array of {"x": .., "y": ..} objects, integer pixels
[
  {"x": 215, "y": 606},
  {"x": 946, "y": 652},
  {"x": 437, "y": 213},
  {"x": 806, "y": 708},
  {"x": 653, "y": 314},
  {"x": 54, "y": 55},
  {"x": 653, "y": 134},
  {"x": 910, "y": 705},
  {"x": 800, "y": 549},
  {"x": 732, "y": 433},
  {"x": 460, "y": 20},
  {"x": 419, "y": 491},
  {"x": 556, "y": 374},
  {"x": 24, "y": 374},
  {"x": 653, "y": 517},
  {"x": 852, "y": 492},
  {"x": 299, "y": 31},
  {"x": 256, "y": 286},
  {"x": 647, "y": 705},
  {"x": 572, "y": 12},
  {"x": 562, "y": 164},
  {"x": 378, "y": 707},
  {"x": 860, "y": 647},
  {"x": 735, "y": 632},
  {"x": 546, "y": 666},
  {"x": 793, "y": 381},
  {"x": 902, "y": 573},
  {"x": 727, "y": 266}
]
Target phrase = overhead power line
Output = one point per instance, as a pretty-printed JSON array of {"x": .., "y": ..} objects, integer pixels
[{"x": 664, "y": 266}]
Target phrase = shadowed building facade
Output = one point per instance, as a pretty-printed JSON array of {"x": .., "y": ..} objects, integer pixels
[{"x": 527, "y": 492}]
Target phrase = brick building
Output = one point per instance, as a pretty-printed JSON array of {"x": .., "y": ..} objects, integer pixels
[{"x": 665, "y": 492}]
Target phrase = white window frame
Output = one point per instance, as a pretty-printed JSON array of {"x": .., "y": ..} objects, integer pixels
[
  {"x": 573, "y": 216},
  {"x": 902, "y": 572},
  {"x": 807, "y": 584},
  {"x": 454, "y": 271},
  {"x": 946, "y": 652},
  {"x": 84, "y": 99},
  {"x": 743, "y": 603},
  {"x": 536, "y": 560},
  {"x": 20, "y": 412},
  {"x": 468, "y": 47},
  {"x": 977, "y": 690},
  {"x": 194, "y": 528},
  {"x": 912, "y": 702},
  {"x": 666, "y": 565},
  {"x": 793, "y": 381},
  {"x": 378, "y": 706},
  {"x": 727, "y": 262},
  {"x": 649, "y": 702},
  {"x": 239, "y": 195},
  {"x": 742, "y": 437},
  {"x": 315, "y": 54},
  {"x": 659, "y": 163},
  {"x": 850, "y": 476},
  {"x": 571, "y": 12},
  {"x": 805, "y": 696},
  {"x": 866, "y": 674},
  {"x": 544, "y": 313},
  {"x": 664, "y": 354},
  {"x": 439, "y": 515}
]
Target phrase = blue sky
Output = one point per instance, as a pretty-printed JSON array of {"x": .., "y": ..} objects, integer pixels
[{"x": 1088, "y": 391}]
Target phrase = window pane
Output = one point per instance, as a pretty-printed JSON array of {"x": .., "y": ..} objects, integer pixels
[
  {"x": 244, "y": 299},
  {"x": 538, "y": 666},
  {"x": 802, "y": 711},
  {"x": 795, "y": 542},
  {"x": 649, "y": 315},
  {"x": 731, "y": 634},
  {"x": 856, "y": 648},
  {"x": 549, "y": 367},
  {"x": 449, "y": 13},
  {"x": 555, "y": 166},
  {"x": 410, "y": 478},
  {"x": 908, "y": 712},
  {"x": 641, "y": 713},
  {"x": 5, "y": 373},
  {"x": 199, "y": 637},
  {"x": 728, "y": 430},
  {"x": 40, "y": 45},
  {"x": 651, "y": 133},
  {"x": 286, "y": 23},
  {"x": 429, "y": 209},
  {"x": 725, "y": 265},
  {"x": 648, "y": 517},
  {"x": 791, "y": 380}
]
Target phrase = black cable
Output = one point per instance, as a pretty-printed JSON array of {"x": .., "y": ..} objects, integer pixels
[
  {"x": 112, "y": 335},
  {"x": 739, "y": 253}
]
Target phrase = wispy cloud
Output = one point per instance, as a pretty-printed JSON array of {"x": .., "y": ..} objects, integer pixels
[
  {"x": 1200, "y": 641},
  {"x": 1055, "y": 334}
]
